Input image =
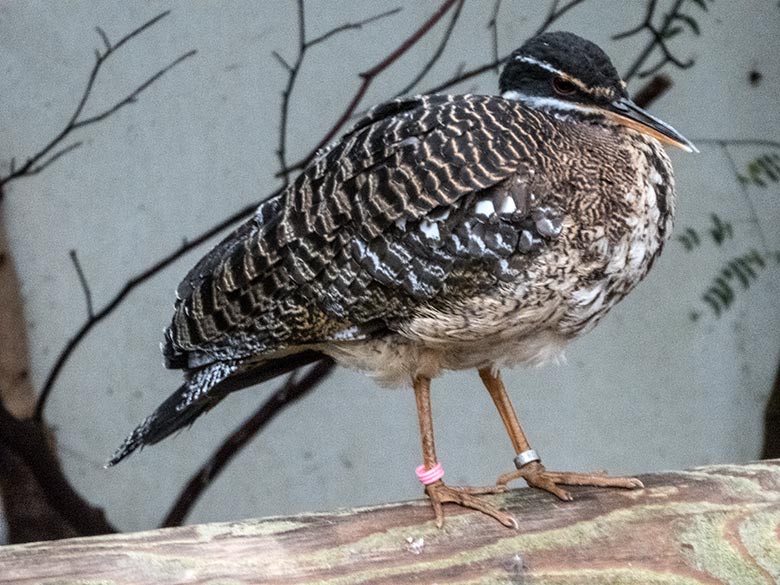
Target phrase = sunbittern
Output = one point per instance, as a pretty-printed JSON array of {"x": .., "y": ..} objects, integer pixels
[{"x": 441, "y": 232}]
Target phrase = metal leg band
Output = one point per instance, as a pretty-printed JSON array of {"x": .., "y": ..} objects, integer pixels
[{"x": 526, "y": 457}]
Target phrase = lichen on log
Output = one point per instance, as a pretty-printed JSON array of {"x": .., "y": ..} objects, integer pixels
[{"x": 716, "y": 524}]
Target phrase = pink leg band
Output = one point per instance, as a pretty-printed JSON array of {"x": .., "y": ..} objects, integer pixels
[{"x": 429, "y": 476}]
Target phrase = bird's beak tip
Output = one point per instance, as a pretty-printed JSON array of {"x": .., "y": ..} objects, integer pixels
[
  {"x": 631, "y": 115},
  {"x": 686, "y": 146}
]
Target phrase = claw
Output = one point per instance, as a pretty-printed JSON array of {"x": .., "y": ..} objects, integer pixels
[
  {"x": 537, "y": 476},
  {"x": 439, "y": 494}
]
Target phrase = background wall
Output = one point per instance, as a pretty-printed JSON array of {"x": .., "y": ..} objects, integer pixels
[{"x": 652, "y": 388}]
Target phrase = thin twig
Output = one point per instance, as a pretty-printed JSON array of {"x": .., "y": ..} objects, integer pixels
[
  {"x": 368, "y": 77},
  {"x": 43, "y": 165},
  {"x": 281, "y": 60},
  {"x": 746, "y": 196},
  {"x": 291, "y": 391},
  {"x": 460, "y": 76},
  {"x": 555, "y": 13},
  {"x": 292, "y": 73},
  {"x": 292, "y": 70},
  {"x": 42, "y": 159},
  {"x": 493, "y": 28},
  {"x": 351, "y": 26},
  {"x": 657, "y": 40},
  {"x": 437, "y": 53},
  {"x": 84, "y": 285},
  {"x": 649, "y": 12},
  {"x": 132, "y": 98},
  {"x": 128, "y": 287}
]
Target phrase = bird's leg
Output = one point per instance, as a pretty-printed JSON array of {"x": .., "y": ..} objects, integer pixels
[
  {"x": 529, "y": 465},
  {"x": 430, "y": 472}
]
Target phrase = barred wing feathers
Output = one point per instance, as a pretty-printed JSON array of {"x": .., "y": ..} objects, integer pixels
[{"x": 388, "y": 218}]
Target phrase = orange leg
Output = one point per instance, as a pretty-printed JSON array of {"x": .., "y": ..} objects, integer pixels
[
  {"x": 438, "y": 492},
  {"x": 529, "y": 466}
]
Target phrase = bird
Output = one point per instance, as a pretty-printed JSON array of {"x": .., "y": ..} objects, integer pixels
[{"x": 441, "y": 232}]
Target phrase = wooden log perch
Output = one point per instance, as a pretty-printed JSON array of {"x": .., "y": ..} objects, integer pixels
[{"x": 716, "y": 524}]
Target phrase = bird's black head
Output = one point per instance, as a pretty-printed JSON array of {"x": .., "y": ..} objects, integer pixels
[
  {"x": 562, "y": 72},
  {"x": 564, "y": 66}
]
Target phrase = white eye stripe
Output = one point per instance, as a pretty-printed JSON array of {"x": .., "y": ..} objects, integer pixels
[
  {"x": 540, "y": 64},
  {"x": 598, "y": 91},
  {"x": 551, "y": 69},
  {"x": 539, "y": 101}
]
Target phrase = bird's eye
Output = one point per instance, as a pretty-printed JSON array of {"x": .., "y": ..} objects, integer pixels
[{"x": 563, "y": 86}]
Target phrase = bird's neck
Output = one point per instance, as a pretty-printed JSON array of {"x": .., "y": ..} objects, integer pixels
[{"x": 561, "y": 109}]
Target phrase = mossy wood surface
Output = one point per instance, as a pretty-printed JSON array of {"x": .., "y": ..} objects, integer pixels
[{"x": 717, "y": 524}]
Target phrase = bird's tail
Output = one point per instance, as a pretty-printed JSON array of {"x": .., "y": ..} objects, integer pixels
[{"x": 201, "y": 391}]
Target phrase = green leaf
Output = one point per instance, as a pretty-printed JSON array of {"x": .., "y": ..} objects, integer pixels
[
  {"x": 755, "y": 256},
  {"x": 713, "y": 303},
  {"x": 762, "y": 170},
  {"x": 737, "y": 270},
  {"x": 745, "y": 269},
  {"x": 689, "y": 239},
  {"x": 745, "y": 265},
  {"x": 721, "y": 230},
  {"x": 723, "y": 290}
]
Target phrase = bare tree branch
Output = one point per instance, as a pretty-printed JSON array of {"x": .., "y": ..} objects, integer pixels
[
  {"x": 281, "y": 60},
  {"x": 303, "y": 46},
  {"x": 29, "y": 440},
  {"x": 128, "y": 287},
  {"x": 493, "y": 28},
  {"x": 84, "y": 285},
  {"x": 292, "y": 390},
  {"x": 293, "y": 70},
  {"x": 754, "y": 217},
  {"x": 368, "y": 78},
  {"x": 41, "y": 166},
  {"x": 437, "y": 53},
  {"x": 658, "y": 39},
  {"x": 460, "y": 76},
  {"x": 555, "y": 13},
  {"x": 41, "y": 159},
  {"x": 351, "y": 26},
  {"x": 132, "y": 98}
]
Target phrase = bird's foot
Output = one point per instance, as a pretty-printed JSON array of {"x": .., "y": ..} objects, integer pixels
[
  {"x": 537, "y": 476},
  {"x": 440, "y": 494}
]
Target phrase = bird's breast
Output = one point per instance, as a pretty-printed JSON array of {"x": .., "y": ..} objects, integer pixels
[
  {"x": 615, "y": 254},
  {"x": 616, "y": 218}
]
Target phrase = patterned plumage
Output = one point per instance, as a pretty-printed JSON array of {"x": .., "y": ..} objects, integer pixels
[{"x": 440, "y": 232}]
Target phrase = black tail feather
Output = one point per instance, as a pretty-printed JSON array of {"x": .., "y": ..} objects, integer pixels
[{"x": 201, "y": 392}]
